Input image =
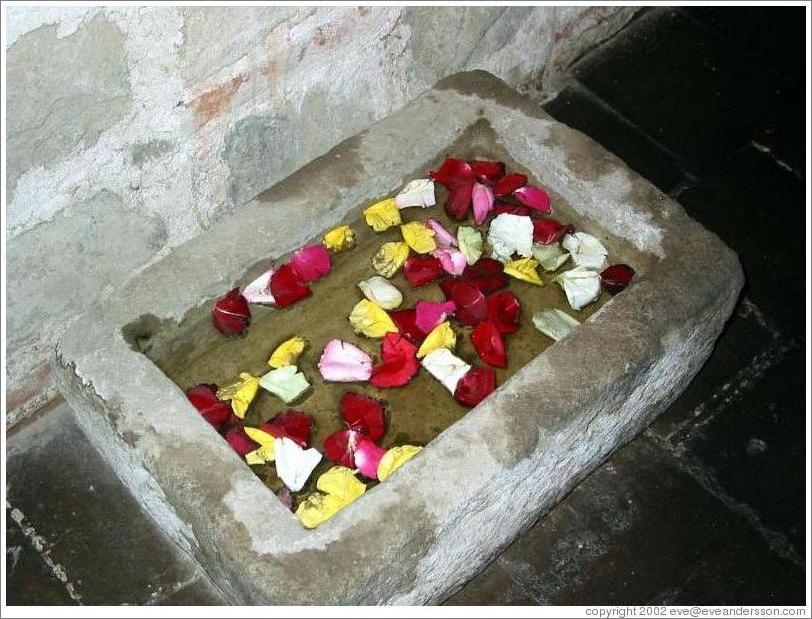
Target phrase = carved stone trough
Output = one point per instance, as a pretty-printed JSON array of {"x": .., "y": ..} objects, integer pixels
[{"x": 420, "y": 535}]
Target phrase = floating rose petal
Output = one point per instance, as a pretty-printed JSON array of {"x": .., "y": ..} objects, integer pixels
[
  {"x": 510, "y": 234},
  {"x": 292, "y": 424},
  {"x": 239, "y": 440},
  {"x": 363, "y": 414},
  {"x": 288, "y": 352},
  {"x": 470, "y": 243},
  {"x": 488, "y": 344},
  {"x": 616, "y": 277},
  {"x": 446, "y": 367},
  {"x": 482, "y": 200},
  {"x": 442, "y": 336},
  {"x": 504, "y": 310},
  {"x": 339, "y": 239},
  {"x": 286, "y": 287},
  {"x": 458, "y": 202},
  {"x": 389, "y": 258},
  {"x": 241, "y": 393},
  {"x": 500, "y": 208},
  {"x": 550, "y": 257},
  {"x": 453, "y": 173},
  {"x": 395, "y": 458},
  {"x": 367, "y": 318},
  {"x": 525, "y": 270},
  {"x": 406, "y": 321},
  {"x": 476, "y": 385},
  {"x": 586, "y": 250},
  {"x": 546, "y": 231},
  {"x": 382, "y": 215},
  {"x": 430, "y": 314},
  {"x": 230, "y": 313},
  {"x": 380, "y": 291},
  {"x": 342, "y": 362},
  {"x": 311, "y": 263},
  {"x": 420, "y": 270},
  {"x": 487, "y": 275},
  {"x": 285, "y": 497},
  {"x": 367, "y": 457},
  {"x": 340, "y": 488},
  {"x": 265, "y": 452},
  {"x": 489, "y": 172},
  {"x": 418, "y": 192},
  {"x": 535, "y": 198},
  {"x": 443, "y": 237},
  {"x": 294, "y": 464},
  {"x": 581, "y": 286},
  {"x": 399, "y": 362},
  {"x": 286, "y": 383},
  {"x": 204, "y": 399},
  {"x": 471, "y": 308},
  {"x": 554, "y": 323},
  {"x": 453, "y": 260},
  {"x": 508, "y": 184},
  {"x": 419, "y": 237},
  {"x": 339, "y": 447},
  {"x": 258, "y": 291}
]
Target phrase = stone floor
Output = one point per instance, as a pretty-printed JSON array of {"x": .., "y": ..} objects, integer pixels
[{"x": 707, "y": 506}]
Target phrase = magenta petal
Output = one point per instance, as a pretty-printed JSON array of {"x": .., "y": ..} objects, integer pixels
[
  {"x": 311, "y": 263},
  {"x": 482, "y": 197},
  {"x": 453, "y": 260},
  {"x": 367, "y": 457},
  {"x": 535, "y": 198},
  {"x": 429, "y": 314},
  {"x": 341, "y": 362},
  {"x": 441, "y": 235}
]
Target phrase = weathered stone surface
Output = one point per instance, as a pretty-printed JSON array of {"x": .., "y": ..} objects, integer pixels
[
  {"x": 416, "y": 537},
  {"x": 63, "y": 93}
]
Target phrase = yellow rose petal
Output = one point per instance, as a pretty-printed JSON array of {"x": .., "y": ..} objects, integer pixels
[
  {"x": 287, "y": 353},
  {"x": 341, "y": 482},
  {"x": 382, "y": 215},
  {"x": 368, "y": 318},
  {"x": 419, "y": 237},
  {"x": 265, "y": 439},
  {"x": 525, "y": 270},
  {"x": 395, "y": 458},
  {"x": 441, "y": 336},
  {"x": 317, "y": 508},
  {"x": 341, "y": 488},
  {"x": 261, "y": 455},
  {"x": 390, "y": 258},
  {"x": 339, "y": 239},
  {"x": 241, "y": 393}
]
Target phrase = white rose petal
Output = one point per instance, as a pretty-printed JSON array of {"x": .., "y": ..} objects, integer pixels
[
  {"x": 511, "y": 234},
  {"x": 446, "y": 367},
  {"x": 554, "y": 323},
  {"x": 294, "y": 464},
  {"x": 379, "y": 290},
  {"x": 550, "y": 257},
  {"x": 581, "y": 286},
  {"x": 469, "y": 241},
  {"x": 419, "y": 192},
  {"x": 259, "y": 290},
  {"x": 286, "y": 383},
  {"x": 586, "y": 250}
]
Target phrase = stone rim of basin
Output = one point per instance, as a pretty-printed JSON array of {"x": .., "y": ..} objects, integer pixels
[{"x": 432, "y": 525}]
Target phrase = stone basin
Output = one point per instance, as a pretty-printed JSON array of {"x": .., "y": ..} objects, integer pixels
[{"x": 491, "y": 472}]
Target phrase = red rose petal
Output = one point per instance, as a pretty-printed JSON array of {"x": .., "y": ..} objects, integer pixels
[
  {"x": 239, "y": 440},
  {"x": 453, "y": 173},
  {"x": 339, "y": 447},
  {"x": 534, "y": 197},
  {"x": 204, "y": 399},
  {"x": 488, "y": 172},
  {"x": 472, "y": 308},
  {"x": 486, "y": 274},
  {"x": 511, "y": 209},
  {"x": 504, "y": 310},
  {"x": 508, "y": 184},
  {"x": 476, "y": 385},
  {"x": 488, "y": 344},
  {"x": 546, "y": 231},
  {"x": 420, "y": 270},
  {"x": 406, "y": 322},
  {"x": 363, "y": 414},
  {"x": 459, "y": 202},
  {"x": 292, "y": 424},
  {"x": 616, "y": 277},
  {"x": 399, "y": 362},
  {"x": 286, "y": 287},
  {"x": 230, "y": 313}
]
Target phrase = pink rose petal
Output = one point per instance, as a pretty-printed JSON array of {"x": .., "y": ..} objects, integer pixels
[
  {"x": 453, "y": 260},
  {"x": 311, "y": 262},
  {"x": 367, "y": 457},
  {"x": 535, "y": 198},
  {"x": 341, "y": 362},
  {"x": 429, "y": 314},
  {"x": 442, "y": 237},
  {"x": 482, "y": 197},
  {"x": 259, "y": 290}
]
